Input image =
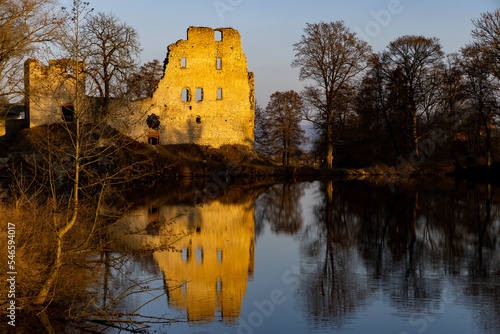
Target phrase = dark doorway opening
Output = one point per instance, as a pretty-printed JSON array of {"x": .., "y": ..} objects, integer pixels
[
  {"x": 154, "y": 137},
  {"x": 68, "y": 113},
  {"x": 153, "y": 140}
]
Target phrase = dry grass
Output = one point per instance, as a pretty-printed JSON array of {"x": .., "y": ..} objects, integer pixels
[
  {"x": 33, "y": 255},
  {"x": 35, "y": 252}
]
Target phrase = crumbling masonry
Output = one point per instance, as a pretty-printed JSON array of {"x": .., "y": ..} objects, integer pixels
[
  {"x": 51, "y": 91},
  {"x": 206, "y": 95}
]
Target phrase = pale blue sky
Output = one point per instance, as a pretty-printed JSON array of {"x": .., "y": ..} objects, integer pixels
[{"x": 270, "y": 28}]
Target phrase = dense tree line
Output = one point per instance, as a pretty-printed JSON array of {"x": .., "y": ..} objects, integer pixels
[
  {"x": 412, "y": 89},
  {"x": 408, "y": 104}
]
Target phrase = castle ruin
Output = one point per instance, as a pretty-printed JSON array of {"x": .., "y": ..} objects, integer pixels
[{"x": 206, "y": 95}]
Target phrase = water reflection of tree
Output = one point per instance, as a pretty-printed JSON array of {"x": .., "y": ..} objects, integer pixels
[
  {"x": 425, "y": 231},
  {"x": 484, "y": 266},
  {"x": 280, "y": 207},
  {"x": 410, "y": 242},
  {"x": 333, "y": 287}
]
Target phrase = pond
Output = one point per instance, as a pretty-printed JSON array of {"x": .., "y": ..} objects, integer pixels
[{"x": 316, "y": 257}]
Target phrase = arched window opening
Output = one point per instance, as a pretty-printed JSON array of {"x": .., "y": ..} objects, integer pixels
[{"x": 186, "y": 95}]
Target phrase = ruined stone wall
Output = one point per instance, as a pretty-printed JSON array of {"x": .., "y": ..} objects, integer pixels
[
  {"x": 50, "y": 89},
  {"x": 205, "y": 97},
  {"x": 217, "y": 105}
]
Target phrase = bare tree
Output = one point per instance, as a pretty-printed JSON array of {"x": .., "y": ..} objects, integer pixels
[
  {"x": 487, "y": 36},
  {"x": 25, "y": 25},
  {"x": 412, "y": 59},
  {"x": 281, "y": 125},
  {"x": 452, "y": 92},
  {"x": 63, "y": 226},
  {"x": 331, "y": 56},
  {"x": 75, "y": 154},
  {"x": 487, "y": 39},
  {"x": 260, "y": 129},
  {"x": 111, "y": 54},
  {"x": 372, "y": 109},
  {"x": 143, "y": 83},
  {"x": 480, "y": 91},
  {"x": 75, "y": 164}
]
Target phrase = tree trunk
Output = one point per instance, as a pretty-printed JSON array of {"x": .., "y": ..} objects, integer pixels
[
  {"x": 329, "y": 156},
  {"x": 329, "y": 149},
  {"x": 283, "y": 157},
  {"x": 484, "y": 120},
  {"x": 106, "y": 97},
  {"x": 414, "y": 133},
  {"x": 41, "y": 298},
  {"x": 44, "y": 319},
  {"x": 488, "y": 145}
]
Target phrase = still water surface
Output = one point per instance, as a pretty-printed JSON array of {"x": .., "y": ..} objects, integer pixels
[{"x": 320, "y": 257}]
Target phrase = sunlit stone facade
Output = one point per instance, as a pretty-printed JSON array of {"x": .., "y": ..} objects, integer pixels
[{"x": 206, "y": 95}]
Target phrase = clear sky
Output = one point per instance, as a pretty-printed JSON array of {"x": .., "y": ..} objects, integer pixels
[{"x": 270, "y": 28}]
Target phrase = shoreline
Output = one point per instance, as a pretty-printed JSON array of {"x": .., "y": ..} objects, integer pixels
[{"x": 187, "y": 161}]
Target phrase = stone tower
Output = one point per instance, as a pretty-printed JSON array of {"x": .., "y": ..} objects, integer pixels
[
  {"x": 206, "y": 95},
  {"x": 51, "y": 91}
]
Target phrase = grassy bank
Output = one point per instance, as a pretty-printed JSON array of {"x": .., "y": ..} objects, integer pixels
[
  {"x": 153, "y": 163},
  {"x": 160, "y": 163}
]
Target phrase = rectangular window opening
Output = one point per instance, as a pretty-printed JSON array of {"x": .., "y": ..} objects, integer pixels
[
  {"x": 219, "y": 256},
  {"x": 218, "y": 285},
  {"x": 154, "y": 210},
  {"x": 154, "y": 140},
  {"x": 183, "y": 62},
  {"x": 185, "y": 254},
  {"x": 219, "y": 63},
  {"x": 186, "y": 95},
  {"x": 199, "y": 94},
  {"x": 199, "y": 255},
  {"x": 218, "y": 36},
  {"x": 219, "y": 93}
]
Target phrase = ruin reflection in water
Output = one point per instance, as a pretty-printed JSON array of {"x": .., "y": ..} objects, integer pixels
[
  {"x": 206, "y": 275},
  {"x": 349, "y": 256}
]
